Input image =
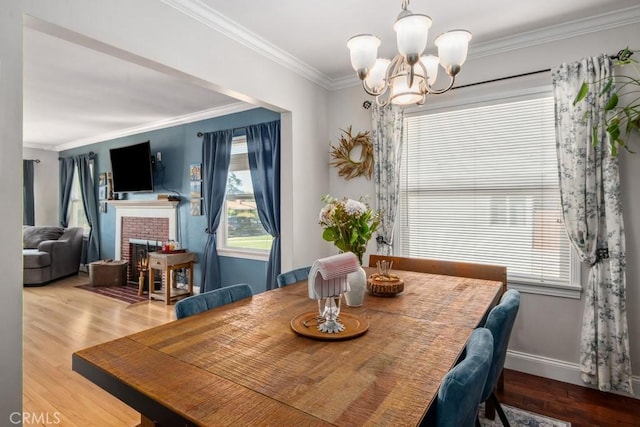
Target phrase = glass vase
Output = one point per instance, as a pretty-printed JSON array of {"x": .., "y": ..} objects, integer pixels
[{"x": 329, "y": 312}]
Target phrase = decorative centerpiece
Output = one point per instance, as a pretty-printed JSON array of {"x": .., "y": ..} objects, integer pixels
[
  {"x": 349, "y": 225},
  {"x": 327, "y": 282},
  {"x": 384, "y": 283}
]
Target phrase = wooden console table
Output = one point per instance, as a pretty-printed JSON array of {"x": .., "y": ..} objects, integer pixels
[{"x": 167, "y": 263}]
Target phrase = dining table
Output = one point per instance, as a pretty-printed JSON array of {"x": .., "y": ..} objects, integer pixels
[{"x": 243, "y": 364}]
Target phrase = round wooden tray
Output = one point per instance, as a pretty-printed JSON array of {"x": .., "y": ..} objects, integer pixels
[{"x": 306, "y": 325}]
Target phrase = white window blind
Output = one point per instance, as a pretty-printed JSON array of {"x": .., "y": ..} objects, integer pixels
[{"x": 480, "y": 184}]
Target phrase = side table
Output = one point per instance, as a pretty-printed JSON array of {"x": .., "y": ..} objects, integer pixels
[{"x": 168, "y": 262}]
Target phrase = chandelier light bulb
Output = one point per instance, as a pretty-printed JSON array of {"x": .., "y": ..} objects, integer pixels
[
  {"x": 375, "y": 78},
  {"x": 412, "y": 32},
  {"x": 431, "y": 63},
  {"x": 364, "y": 50},
  {"x": 452, "y": 49}
]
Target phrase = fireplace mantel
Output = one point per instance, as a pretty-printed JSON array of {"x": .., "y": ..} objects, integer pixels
[{"x": 143, "y": 203}]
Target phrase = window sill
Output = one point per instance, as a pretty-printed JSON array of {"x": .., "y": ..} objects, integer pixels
[
  {"x": 244, "y": 253},
  {"x": 549, "y": 289}
]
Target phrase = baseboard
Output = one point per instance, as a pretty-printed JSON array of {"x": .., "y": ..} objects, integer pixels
[{"x": 554, "y": 369}]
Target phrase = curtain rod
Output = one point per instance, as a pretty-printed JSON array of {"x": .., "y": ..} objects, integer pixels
[
  {"x": 92, "y": 156},
  {"x": 200, "y": 134},
  {"x": 502, "y": 78},
  {"x": 546, "y": 70},
  {"x": 34, "y": 160}
]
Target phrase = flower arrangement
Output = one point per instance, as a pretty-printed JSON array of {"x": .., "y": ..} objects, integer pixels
[{"x": 348, "y": 223}]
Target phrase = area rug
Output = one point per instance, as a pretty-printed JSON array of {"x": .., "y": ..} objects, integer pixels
[
  {"x": 128, "y": 293},
  {"x": 520, "y": 418}
]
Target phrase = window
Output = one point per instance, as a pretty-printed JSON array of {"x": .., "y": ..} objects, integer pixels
[
  {"x": 241, "y": 233},
  {"x": 480, "y": 184},
  {"x": 77, "y": 216}
]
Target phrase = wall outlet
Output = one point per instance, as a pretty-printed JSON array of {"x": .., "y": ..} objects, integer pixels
[{"x": 158, "y": 156}]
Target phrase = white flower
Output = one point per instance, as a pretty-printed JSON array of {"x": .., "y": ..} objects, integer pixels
[
  {"x": 326, "y": 213},
  {"x": 354, "y": 207}
]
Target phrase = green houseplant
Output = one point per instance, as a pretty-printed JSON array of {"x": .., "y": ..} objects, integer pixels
[{"x": 622, "y": 106}]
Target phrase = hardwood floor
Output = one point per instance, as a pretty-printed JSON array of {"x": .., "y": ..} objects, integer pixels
[
  {"x": 60, "y": 319},
  {"x": 579, "y": 405}
]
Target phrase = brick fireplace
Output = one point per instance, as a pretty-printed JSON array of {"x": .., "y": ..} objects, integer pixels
[{"x": 142, "y": 221}]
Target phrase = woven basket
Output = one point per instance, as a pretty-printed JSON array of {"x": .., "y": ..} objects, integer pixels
[{"x": 384, "y": 288}]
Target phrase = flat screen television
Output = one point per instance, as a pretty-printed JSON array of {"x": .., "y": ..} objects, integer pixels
[{"x": 132, "y": 168}]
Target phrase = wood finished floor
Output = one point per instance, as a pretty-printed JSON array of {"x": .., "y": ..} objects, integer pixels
[{"x": 60, "y": 319}]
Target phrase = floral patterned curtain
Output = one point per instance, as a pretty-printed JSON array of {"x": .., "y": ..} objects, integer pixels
[
  {"x": 592, "y": 210},
  {"x": 387, "y": 143}
]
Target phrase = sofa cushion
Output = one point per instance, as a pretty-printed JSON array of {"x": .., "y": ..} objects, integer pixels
[
  {"x": 33, "y": 235},
  {"x": 35, "y": 259}
]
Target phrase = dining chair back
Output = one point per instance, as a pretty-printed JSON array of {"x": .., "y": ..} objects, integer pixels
[
  {"x": 293, "y": 276},
  {"x": 461, "y": 388},
  {"x": 500, "y": 323},
  {"x": 211, "y": 299},
  {"x": 471, "y": 270}
]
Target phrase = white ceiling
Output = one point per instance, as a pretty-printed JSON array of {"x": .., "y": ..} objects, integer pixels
[{"x": 75, "y": 95}]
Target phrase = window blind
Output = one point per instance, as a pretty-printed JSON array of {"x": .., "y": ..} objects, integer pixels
[{"x": 480, "y": 184}]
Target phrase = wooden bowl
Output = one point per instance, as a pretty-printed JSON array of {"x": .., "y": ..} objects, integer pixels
[{"x": 384, "y": 286}]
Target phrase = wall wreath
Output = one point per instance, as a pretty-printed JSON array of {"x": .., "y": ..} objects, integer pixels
[{"x": 348, "y": 167}]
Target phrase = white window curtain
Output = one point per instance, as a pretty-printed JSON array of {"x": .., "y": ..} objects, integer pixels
[
  {"x": 592, "y": 209},
  {"x": 480, "y": 184},
  {"x": 387, "y": 142}
]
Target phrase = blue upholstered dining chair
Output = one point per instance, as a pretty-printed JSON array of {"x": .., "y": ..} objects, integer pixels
[
  {"x": 461, "y": 388},
  {"x": 500, "y": 323},
  {"x": 293, "y": 276},
  {"x": 207, "y": 300}
]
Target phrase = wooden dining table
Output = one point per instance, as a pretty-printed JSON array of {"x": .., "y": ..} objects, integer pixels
[{"x": 242, "y": 364}]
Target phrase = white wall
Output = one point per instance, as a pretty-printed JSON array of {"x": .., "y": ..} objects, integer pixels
[
  {"x": 11, "y": 210},
  {"x": 46, "y": 185},
  {"x": 546, "y": 336}
]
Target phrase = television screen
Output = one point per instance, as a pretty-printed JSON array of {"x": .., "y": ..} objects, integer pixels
[{"x": 131, "y": 168}]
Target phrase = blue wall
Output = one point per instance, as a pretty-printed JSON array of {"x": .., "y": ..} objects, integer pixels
[{"x": 180, "y": 146}]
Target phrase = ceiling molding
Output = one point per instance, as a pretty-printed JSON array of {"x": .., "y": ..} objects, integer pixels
[
  {"x": 210, "y": 17},
  {"x": 579, "y": 27},
  {"x": 161, "y": 124},
  {"x": 235, "y": 31}
]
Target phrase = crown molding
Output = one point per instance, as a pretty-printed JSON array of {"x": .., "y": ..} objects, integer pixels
[
  {"x": 161, "y": 124},
  {"x": 210, "y": 17},
  {"x": 235, "y": 31},
  {"x": 554, "y": 33}
]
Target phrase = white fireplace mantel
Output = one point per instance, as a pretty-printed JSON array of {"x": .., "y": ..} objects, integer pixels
[
  {"x": 143, "y": 203},
  {"x": 144, "y": 208}
]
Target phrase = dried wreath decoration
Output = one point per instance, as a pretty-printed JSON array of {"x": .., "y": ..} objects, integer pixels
[{"x": 347, "y": 166}]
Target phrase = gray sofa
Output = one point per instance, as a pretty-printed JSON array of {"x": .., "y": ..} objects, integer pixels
[{"x": 50, "y": 253}]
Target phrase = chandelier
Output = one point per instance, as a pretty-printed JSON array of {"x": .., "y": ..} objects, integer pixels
[{"x": 409, "y": 77}]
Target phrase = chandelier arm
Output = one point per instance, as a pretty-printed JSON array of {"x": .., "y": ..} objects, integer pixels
[
  {"x": 411, "y": 75},
  {"x": 373, "y": 92},
  {"x": 432, "y": 91},
  {"x": 393, "y": 68},
  {"x": 383, "y": 102}
]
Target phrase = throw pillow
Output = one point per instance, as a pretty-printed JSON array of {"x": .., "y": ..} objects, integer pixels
[{"x": 33, "y": 236}]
